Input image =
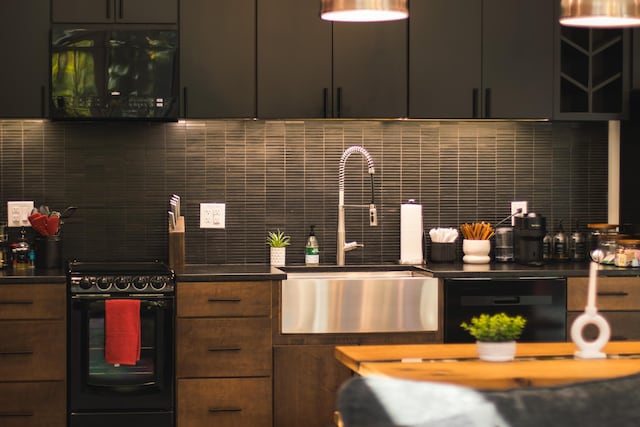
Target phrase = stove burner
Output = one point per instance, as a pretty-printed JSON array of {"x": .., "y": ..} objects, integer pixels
[{"x": 129, "y": 277}]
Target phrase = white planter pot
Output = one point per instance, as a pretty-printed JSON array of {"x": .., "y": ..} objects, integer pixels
[
  {"x": 496, "y": 351},
  {"x": 278, "y": 256},
  {"x": 476, "y": 251}
]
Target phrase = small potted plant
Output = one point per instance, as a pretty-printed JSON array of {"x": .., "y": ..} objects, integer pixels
[
  {"x": 278, "y": 242},
  {"x": 495, "y": 335}
]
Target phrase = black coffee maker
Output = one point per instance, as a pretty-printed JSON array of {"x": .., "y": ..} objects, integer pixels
[{"x": 528, "y": 234}]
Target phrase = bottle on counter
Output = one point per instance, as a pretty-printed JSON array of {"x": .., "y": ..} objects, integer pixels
[
  {"x": 560, "y": 244},
  {"x": 312, "y": 250},
  {"x": 578, "y": 245},
  {"x": 547, "y": 247}
]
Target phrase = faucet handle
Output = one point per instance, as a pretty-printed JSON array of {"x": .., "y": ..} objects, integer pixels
[
  {"x": 373, "y": 215},
  {"x": 352, "y": 245}
]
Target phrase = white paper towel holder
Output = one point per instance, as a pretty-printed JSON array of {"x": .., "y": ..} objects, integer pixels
[{"x": 414, "y": 259}]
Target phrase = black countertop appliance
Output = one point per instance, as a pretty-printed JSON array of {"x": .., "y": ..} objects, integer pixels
[{"x": 528, "y": 234}]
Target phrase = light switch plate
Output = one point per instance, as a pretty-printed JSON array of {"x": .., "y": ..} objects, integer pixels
[
  {"x": 212, "y": 215},
  {"x": 18, "y": 213}
]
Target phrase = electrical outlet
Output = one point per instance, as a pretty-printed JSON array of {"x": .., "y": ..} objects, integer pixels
[
  {"x": 514, "y": 208},
  {"x": 18, "y": 214},
  {"x": 212, "y": 215}
]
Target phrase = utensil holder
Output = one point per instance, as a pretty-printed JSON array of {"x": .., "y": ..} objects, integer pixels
[
  {"x": 443, "y": 252},
  {"x": 48, "y": 251},
  {"x": 176, "y": 245}
]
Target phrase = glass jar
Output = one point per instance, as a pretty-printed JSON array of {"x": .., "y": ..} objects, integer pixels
[
  {"x": 628, "y": 253},
  {"x": 605, "y": 238}
]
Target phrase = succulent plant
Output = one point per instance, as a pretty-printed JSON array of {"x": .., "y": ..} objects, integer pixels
[{"x": 277, "y": 239}]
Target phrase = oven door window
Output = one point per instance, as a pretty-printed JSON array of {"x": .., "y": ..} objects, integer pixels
[{"x": 145, "y": 372}]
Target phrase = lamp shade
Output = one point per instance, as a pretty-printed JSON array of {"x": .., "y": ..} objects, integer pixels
[
  {"x": 600, "y": 13},
  {"x": 364, "y": 10}
]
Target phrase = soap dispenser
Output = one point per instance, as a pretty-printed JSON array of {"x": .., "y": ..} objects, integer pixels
[{"x": 312, "y": 250}]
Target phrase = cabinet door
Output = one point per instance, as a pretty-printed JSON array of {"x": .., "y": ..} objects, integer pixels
[
  {"x": 298, "y": 398},
  {"x": 33, "y": 404},
  {"x": 517, "y": 45},
  {"x": 217, "y": 58},
  {"x": 445, "y": 59},
  {"x": 370, "y": 69},
  {"x": 294, "y": 60},
  {"x": 92, "y": 11},
  {"x": 24, "y": 83}
]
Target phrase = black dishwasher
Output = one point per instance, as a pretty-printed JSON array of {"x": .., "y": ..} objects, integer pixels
[{"x": 542, "y": 301}]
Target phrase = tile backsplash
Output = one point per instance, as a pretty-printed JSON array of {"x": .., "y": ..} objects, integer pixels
[{"x": 284, "y": 174}]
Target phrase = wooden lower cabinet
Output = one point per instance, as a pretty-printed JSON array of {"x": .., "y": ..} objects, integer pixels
[
  {"x": 306, "y": 382},
  {"x": 33, "y": 404},
  {"x": 224, "y": 402},
  {"x": 33, "y": 355},
  {"x": 224, "y": 354},
  {"x": 617, "y": 300}
]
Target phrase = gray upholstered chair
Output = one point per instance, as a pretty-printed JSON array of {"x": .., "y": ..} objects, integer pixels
[{"x": 387, "y": 402}]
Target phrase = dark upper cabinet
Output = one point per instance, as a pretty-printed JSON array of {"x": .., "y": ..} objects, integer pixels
[
  {"x": 109, "y": 11},
  {"x": 309, "y": 68},
  {"x": 25, "y": 35},
  {"x": 217, "y": 58},
  {"x": 481, "y": 59},
  {"x": 294, "y": 60},
  {"x": 593, "y": 74},
  {"x": 370, "y": 69}
]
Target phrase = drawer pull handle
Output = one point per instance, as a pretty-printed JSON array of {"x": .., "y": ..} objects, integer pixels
[
  {"x": 224, "y": 349},
  {"x": 16, "y": 414},
  {"x": 16, "y": 353},
  {"x": 17, "y": 302},
  {"x": 613, "y": 294},
  {"x": 224, "y": 300},
  {"x": 229, "y": 409}
]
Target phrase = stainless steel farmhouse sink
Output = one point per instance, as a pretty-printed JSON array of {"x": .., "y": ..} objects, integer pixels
[{"x": 318, "y": 300}]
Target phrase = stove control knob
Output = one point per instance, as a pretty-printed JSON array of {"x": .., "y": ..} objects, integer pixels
[
  {"x": 103, "y": 283},
  {"x": 158, "y": 283},
  {"x": 85, "y": 283},
  {"x": 141, "y": 282},
  {"x": 123, "y": 282}
]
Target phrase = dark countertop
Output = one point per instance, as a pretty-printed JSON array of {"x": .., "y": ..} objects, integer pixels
[
  {"x": 31, "y": 276},
  {"x": 233, "y": 272},
  {"x": 228, "y": 272},
  {"x": 497, "y": 270}
]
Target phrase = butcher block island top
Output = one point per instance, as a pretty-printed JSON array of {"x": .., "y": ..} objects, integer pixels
[{"x": 536, "y": 364}]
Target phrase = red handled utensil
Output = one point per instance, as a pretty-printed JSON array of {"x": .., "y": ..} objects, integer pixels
[{"x": 39, "y": 223}]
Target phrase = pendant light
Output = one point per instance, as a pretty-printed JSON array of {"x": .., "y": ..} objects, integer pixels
[
  {"x": 364, "y": 10},
  {"x": 600, "y": 13}
]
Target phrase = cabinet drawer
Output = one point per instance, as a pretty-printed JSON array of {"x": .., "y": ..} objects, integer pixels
[
  {"x": 224, "y": 299},
  {"x": 32, "y": 302},
  {"x": 40, "y": 404},
  {"x": 614, "y": 293},
  {"x": 624, "y": 325},
  {"x": 32, "y": 350},
  {"x": 223, "y": 347},
  {"x": 224, "y": 402}
]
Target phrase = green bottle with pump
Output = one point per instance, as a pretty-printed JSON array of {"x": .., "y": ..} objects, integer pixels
[{"x": 312, "y": 250}]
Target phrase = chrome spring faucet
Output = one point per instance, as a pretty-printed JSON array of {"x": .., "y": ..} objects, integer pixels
[{"x": 344, "y": 247}]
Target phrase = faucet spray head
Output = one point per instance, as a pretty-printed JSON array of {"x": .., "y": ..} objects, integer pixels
[{"x": 373, "y": 215}]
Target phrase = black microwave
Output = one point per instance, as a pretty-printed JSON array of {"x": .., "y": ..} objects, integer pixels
[{"x": 114, "y": 73}]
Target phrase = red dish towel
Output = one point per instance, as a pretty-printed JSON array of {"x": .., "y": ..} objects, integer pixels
[{"x": 122, "y": 331}]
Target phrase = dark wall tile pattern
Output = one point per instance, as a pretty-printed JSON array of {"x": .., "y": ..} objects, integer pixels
[{"x": 284, "y": 174}]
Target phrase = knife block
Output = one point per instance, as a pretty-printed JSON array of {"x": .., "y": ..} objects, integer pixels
[{"x": 176, "y": 245}]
